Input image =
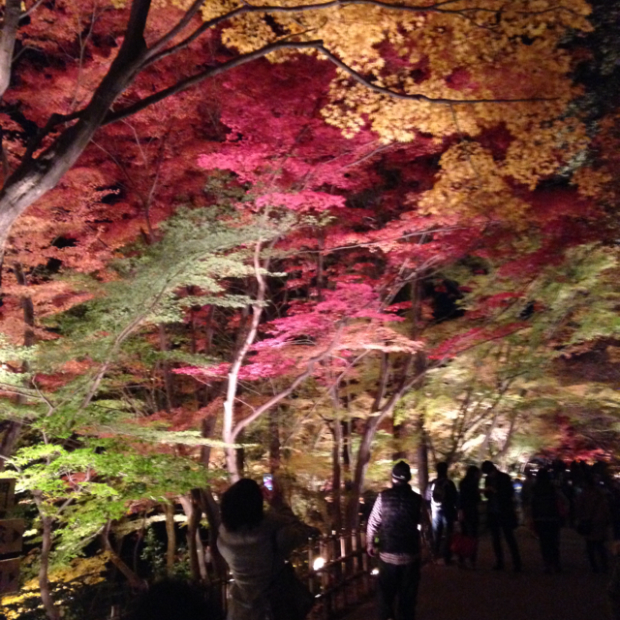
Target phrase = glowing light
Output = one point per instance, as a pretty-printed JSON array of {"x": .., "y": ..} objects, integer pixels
[
  {"x": 374, "y": 571},
  {"x": 318, "y": 563}
]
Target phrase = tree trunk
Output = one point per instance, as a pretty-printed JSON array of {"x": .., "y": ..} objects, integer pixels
[
  {"x": 165, "y": 367},
  {"x": 275, "y": 456},
  {"x": 193, "y": 514},
  {"x": 274, "y": 441},
  {"x": 361, "y": 465},
  {"x": 13, "y": 431},
  {"x": 422, "y": 454},
  {"x": 207, "y": 428},
  {"x": 133, "y": 579},
  {"x": 171, "y": 538},
  {"x": 211, "y": 509},
  {"x": 346, "y": 450},
  {"x": 51, "y": 611},
  {"x": 399, "y": 436},
  {"x": 336, "y": 476},
  {"x": 34, "y": 177}
]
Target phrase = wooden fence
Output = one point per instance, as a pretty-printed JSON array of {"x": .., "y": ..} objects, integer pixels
[
  {"x": 336, "y": 569},
  {"x": 338, "y": 572}
]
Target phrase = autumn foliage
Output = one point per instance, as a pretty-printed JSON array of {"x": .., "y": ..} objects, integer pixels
[{"x": 291, "y": 238}]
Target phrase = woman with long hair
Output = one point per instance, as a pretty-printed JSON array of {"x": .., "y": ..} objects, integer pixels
[{"x": 255, "y": 545}]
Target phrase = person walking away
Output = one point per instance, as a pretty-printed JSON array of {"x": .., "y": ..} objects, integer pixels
[
  {"x": 501, "y": 514},
  {"x": 545, "y": 509},
  {"x": 593, "y": 520},
  {"x": 468, "y": 510},
  {"x": 443, "y": 497},
  {"x": 255, "y": 546},
  {"x": 394, "y": 521}
]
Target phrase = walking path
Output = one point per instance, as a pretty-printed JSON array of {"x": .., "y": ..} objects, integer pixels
[{"x": 451, "y": 593}]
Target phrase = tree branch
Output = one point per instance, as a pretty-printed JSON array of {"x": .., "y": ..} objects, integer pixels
[
  {"x": 358, "y": 77},
  {"x": 157, "y": 51},
  {"x": 10, "y": 24},
  {"x": 274, "y": 400},
  {"x": 317, "y": 45},
  {"x": 33, "y": 8}
]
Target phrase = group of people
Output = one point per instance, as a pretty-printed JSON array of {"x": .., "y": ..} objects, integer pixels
[
  {"x": 584, "y": 497},
  {"x": 449, "y": 506},
  {"x": 256, "y": 543},
  {"x": 592, "y": 506}
]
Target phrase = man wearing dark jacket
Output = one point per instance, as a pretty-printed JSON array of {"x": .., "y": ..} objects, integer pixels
[
  {"x": 394, "y": 522},
  {"x": 501, "y": 514}
]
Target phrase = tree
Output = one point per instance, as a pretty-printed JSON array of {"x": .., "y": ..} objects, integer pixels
[
  {"x": 489, "y": 46},
  {"x": 417, "y": 238}
]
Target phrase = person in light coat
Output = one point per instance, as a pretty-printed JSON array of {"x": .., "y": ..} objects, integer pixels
[{"x": 255, "y": 545}]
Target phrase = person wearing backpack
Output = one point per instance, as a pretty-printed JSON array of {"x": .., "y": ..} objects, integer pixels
[{"x": 443, "y": 496}]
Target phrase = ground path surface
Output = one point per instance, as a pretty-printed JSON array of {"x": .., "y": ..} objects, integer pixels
[{"x": 451, "y": 593}]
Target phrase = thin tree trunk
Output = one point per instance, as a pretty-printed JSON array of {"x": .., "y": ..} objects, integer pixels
[
  {"x": 484, "y": 449},
  {"x": 10, "y": 25},
  {"x": 399, "y": 436},
  {"x": 133, "y": 579},
  {"x": 136, "y": 547},
  {"x": 420, "y": 366},
  {"x": 200, "y": 554},
  {"x": 275, "y": 456},
  {"x": 422, "y": 453},
  {"x": 274, "y": 441},
  {"x": 168, "y": 387},
  {"x": 336, "y": 475},
  {"x": 13, "y": 431},
  {"x": 346, "y": 449},
  {"x": 171, "y": 538},
  {"x": 509, "y": 435},
  {"x": 193, "y": 514},
  {"x": 229, "y": 432},
  {"x": 51, "y": 611},
  {"x": 211, "y": 509},
  {"x": 207, "y": 429}
]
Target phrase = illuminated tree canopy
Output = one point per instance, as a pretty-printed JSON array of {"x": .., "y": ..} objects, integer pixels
[{"x": 298, "y": 238}]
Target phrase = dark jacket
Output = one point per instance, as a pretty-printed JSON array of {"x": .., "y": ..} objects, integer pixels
[
  {"x": 400, "y": 517},
  {"x": 469, "y": 498},
  {"x": 500, "y": 499},
  {"x": 545, "y": 502}
]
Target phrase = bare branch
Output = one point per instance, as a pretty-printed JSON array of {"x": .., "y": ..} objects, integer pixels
[
  {"x": 200, "y": 77},
  {"x": 358, "y": 77},
  {"x": 300, "y": 378},
  {"x": 33, "y": 8},
  {"x": 153, "y": 53},
  {"x": 268, "y": 49},
  {"x": 157, "y": 51}
]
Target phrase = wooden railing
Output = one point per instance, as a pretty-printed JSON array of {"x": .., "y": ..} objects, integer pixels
[
  {"x": 336, "y": 569},
  {"x": 338, "y": 572}
]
